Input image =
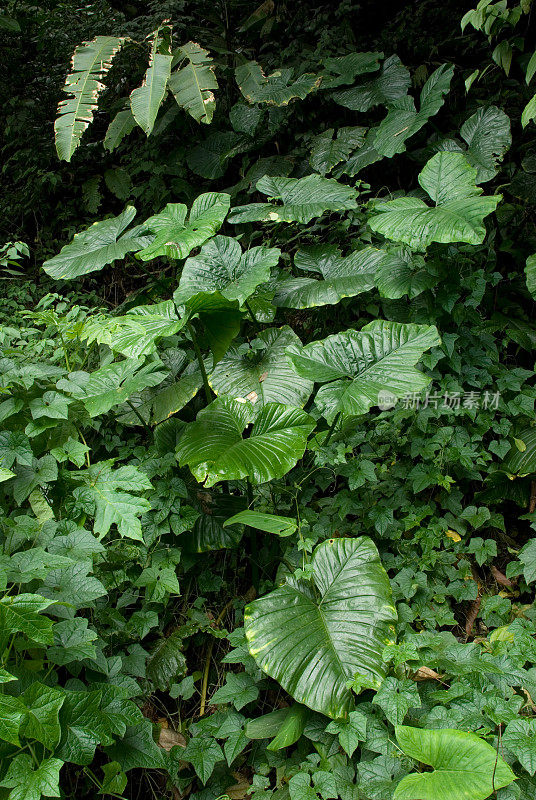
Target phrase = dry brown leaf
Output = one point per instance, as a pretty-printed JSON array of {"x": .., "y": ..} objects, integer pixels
[
  {"x": 426, "y": 674},
  {"x": 169, "y": 738}
]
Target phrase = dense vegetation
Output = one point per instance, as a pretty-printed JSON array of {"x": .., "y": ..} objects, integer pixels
[{"x": 267, "y": 430}]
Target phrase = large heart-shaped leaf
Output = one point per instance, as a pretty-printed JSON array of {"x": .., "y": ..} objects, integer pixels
[
  {"x": 314, "y": 637},
  {"x": 277, "y": 89},
  {"x": 302, "y": 199},
  {"x": 488, "y": 137},
  {"x": 392, "y": 83},
  {"x": 465, "y": 767},
  {"x": 97, "y": 246},
  {"x": 357, "y": 365},
  {"x": 327, "y": 152},
  {"x": 342, "y": 277},
  {"x": 192, "y": 85},
  {"x": 222, "y": 267},
  {"x": 403, "y": 120},
  {"x": 458, "y": 215},
  {"x": 345, "y": 69},
  {"x": 260, "y": 372},
  {"x": 110, "y": 385},
  {"x": 136, "y": 333},
  {"x": 215, "y": 448},
  {"x": 402, "y": 272},
  {"x": 175, "y": 237}
]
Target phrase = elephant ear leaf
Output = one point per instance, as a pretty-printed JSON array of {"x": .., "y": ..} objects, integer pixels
[
  {"x": 176, "y": 237},
  {"x": 192, "y": 85},
  {"x": 391, "y": 84},
  {"x": 101, "y": 244},
  {"x": 314, "y": 639},
  {"x": 488, "y": 137},
  {"x": 260, "y": 372},
  {"x": 277, "y": 89},
  {"x": 341, "y": 276},
  {"x": 356, "y": 366},
  {"x": 465, "y": 767},
  {"x": 147, "y": 98},
  {"x": 222, "y": 267},
  {"x": 301, "y": 198},
  {"x": 403, "y": 120},
  {"x": 215, "y": 448},
  {"x": 458, "y": 214},
  {"x": 91, "y": 61}
]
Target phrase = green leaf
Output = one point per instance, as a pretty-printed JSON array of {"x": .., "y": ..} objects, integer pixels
[
  {"x": 396, "y": 698},
  {"x": 527, "y": 556},
  {"x": 137, "y": 749},
  {"x": 12, "y": 712},
  {"x": 300, "y": 787},
  {"x": 529, "y": 112},
  {"x": 112, "y": 384},
  {"x": 115, "y": 780},
  {"x": 6, "y": 474},
  {"x": 260, "y": 373},
  {"x": 97, "y": 246},
  {"x": 209, "y": 157},
  {"x": 488, "y": 137},
  {"x": 20, "y": 614},
  {"x": 83, "y": 727},
  {"x": 43, "y": 704},
  {"x": 465, "y": 767},
  {"x": 118, "y": 182},
  {"x": 107, "y": 494},
  {"x": 136, "y": 333},
  {"x": 122, "y": 124},
  {"x": 192, "y": 85},
  {"x": 357, "y": 366},
  {"x": 222, "y": 267},
  {"x": 277, "y": 89},
  {"x": 521, "y": 459},
  {"x": 327, "y": 152},
  {"x": 27, "y": 783},
  {"x": 269, "y": 523},
  {"x": 312, "y": 640},
  {"x": 174, "y": 397},
  {"x": 73, "y": 641},
  {"x": 214, "y": 448},
  {"x": 403, "y": 120},
  {"x": 392, "y": 83},
  {"x": 520, "y": 739},
  {"x": 176, "y": 238},
  {"x": 90, "y": 62},
  {"x": 203, "y": 753},
  {"x": 341, "y": 276},
  {"x": 268, "y": 725},
  {"x": 43, "y": 470},
  {"x": 15, "y": 446},
  {"x": 292, "y": 727},
  {"x": 458, "y": 215},
  {"x": 530, "y": 273},
  {"x": 239, "y": 690},
  {"x": 350, "y": 731},
  {"x": 167, "y": 662},
  {"x": 401, "y": 272},
  {"x": 345, "y": 69},
  {"x": 146, "y": 99},
  {"x": 302, "y": 199}
]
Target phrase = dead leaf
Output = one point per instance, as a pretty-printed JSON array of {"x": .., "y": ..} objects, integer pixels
[
  {"x": 426, "y": 674},
  {"x": 169, "y": 738},
  {"x": 263, "y": 377},
  {"x": 252, "y": 397},
  {"x": 454, "y": 536},
  {"x": 500, "y": 578}
]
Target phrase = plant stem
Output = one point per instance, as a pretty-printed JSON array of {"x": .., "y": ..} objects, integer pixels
[
  {"x": 254, "y": 542},
  {"x": 332, "y": 428},
  {"x": 199, "y": 355},
  {"x": 253, "y": 317},
  {"x": 136, "y": 412}
]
